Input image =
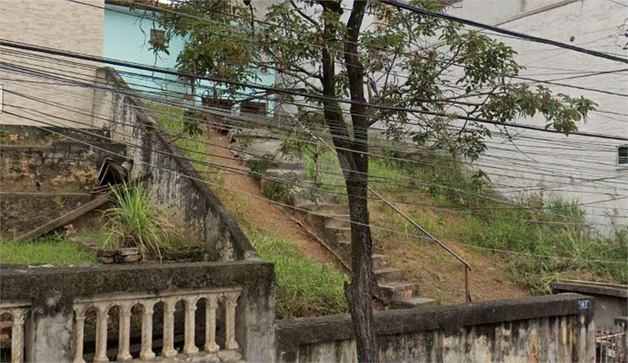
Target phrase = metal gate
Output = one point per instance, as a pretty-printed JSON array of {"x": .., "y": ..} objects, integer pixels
[{"x": 610, "y": 345}]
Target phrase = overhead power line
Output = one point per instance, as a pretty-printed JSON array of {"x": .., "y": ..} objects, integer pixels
[
  {"x": 495, "y": 29},
  {"x": 85, "y": 57}
]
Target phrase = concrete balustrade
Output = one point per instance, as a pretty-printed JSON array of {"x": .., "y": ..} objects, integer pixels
[
  {"x": 190, "y": 298},
  {"x": 18, "y": 311}
]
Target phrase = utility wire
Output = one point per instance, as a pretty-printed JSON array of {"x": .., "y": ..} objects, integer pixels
[
  {"x": 231, "y": 189},
  {"x": 203, "y": 121},
  {"x": 495, "y": 29},
  {"x": 85, "y": 57}
]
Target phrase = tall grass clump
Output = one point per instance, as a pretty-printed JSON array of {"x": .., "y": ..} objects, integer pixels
[
  {"x": 304, "y": 286},
  {"x": 138, "y": 221}
]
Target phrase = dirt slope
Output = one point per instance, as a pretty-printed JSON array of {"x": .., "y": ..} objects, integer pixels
[{"x": 440, "y": 276}]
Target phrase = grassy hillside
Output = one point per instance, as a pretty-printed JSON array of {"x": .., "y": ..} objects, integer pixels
[{"x": 540, "y": 238}]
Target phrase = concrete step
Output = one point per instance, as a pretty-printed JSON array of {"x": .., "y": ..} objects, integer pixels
[
  {"x": 283, "y": 173},
  {"x": 412, "y": 302},
  {"x": 332, "y": 209},
  {"x": 343, "y": 234},
  {"x": 388, "y": 274},
  {"x": 399, "y": 289},
  {"x": 379, "y": 261},
  {"x": 337, "y": 221},
  {"x": 345, "y": 246},
  {"x": 60, "y": 166}
]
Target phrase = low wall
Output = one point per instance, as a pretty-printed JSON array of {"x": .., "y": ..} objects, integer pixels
[
  {"x": 556, "y": 328},
  {"x": 177, "y": 184},
  {"x": 50, "y": 301},
  {"x": 611, "y": 299}
]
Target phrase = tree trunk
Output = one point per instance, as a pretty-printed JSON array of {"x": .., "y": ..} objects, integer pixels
[
  {"x": 354, "y": 161},
  {"x": 359, "y": 292}
]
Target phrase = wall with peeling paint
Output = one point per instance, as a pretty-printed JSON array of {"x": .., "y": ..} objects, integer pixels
[{"x": 557, "y": 328}]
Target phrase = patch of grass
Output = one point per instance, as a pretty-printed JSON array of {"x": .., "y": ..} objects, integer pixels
[
  {"x": 138, "y": 221},
  {"x": 99, "y": 236},
  {"x": 54, "y": 250},
  {"x": 189, "y": 141},
  {"x": 304, "y": 287}
]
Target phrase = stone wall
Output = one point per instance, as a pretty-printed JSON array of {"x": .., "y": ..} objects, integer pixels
[
  {"x": 556, "y": 328},
  {"x": 177, "y": 184}
]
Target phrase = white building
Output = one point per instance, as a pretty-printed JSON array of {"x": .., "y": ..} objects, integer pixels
[{"x": 591, "y": 171}]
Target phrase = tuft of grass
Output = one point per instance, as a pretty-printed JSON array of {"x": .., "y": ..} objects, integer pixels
[
  {"x": 138, "y": 221},
  {"x": 304, "y": 287},
  {"x": 53, "y": 249}
]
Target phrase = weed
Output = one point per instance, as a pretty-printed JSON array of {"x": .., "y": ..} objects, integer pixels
[
  {"x": 304, "y": 287},
  {"x": 138, "y": 221}
]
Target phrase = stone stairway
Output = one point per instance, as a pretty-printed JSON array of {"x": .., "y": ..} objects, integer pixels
[
  {"x": 44, "y": 175},
  {"x": 328, "y": 221}
]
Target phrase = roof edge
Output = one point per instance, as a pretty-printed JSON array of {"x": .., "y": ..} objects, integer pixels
[{"x": 539, "y": 10}]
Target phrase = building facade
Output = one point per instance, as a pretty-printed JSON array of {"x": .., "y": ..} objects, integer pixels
[
  {"x": 35, "y": 96},
  {"x": 127, "y": 37},
  {"x": 590, "y": 171}
]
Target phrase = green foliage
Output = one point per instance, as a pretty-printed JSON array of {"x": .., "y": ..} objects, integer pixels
[
  {"x": 259, "y": 166},
  {"x": 184, "y": 129},
  {"x": 52, "y": 249},
  {"x": 304, "y": 286},
  {"x": 214, "y": 40},
  {"x": 138, "y": 221}
]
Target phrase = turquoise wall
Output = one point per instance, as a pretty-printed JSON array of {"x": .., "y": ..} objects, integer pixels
[{"x": 126, "y": 38}]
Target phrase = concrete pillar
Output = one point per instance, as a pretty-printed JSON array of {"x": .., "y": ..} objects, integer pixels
[{"x": 50, "y": 338}]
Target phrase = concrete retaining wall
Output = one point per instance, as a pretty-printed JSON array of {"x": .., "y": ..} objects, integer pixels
[
  {"x": 52, "y": 292},
  {"x": 177, "y": 184},
  {"x": 558, "y": 328}
]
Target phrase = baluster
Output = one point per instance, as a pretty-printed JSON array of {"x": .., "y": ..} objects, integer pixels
[
  {"x": 17, "y": 335},
  {"x": 147, "y": 330},
  {"x": 79, "y": 333},
  {"x": 168, "y": 350},
  {"x": 230, "y": 312},
  {"x": 211, "y": 303},
  {"x": 124, "y": 334},
  {"x": 101, "y": 333},
  {"x": 190, "y": 309}
]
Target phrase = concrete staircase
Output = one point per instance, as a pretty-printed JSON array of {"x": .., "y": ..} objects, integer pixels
[
  {"x": 48, "y": 172},
  {"x": 328, "y": 221}
]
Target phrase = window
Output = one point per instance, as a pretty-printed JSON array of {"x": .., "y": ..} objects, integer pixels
[
  {"x": 257, "y": 108},
  {"x": 217, "y": 103},
  {"x": 157, "y": 36},
  {"x": 622, "y": 155}
]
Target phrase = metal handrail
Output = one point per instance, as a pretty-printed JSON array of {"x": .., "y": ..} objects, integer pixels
[{"x": 467, "y": 266}]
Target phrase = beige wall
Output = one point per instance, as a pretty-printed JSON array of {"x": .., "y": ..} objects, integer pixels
[{"x": 55, "y": 24}]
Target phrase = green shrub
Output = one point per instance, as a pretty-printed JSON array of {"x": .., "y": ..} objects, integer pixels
[
  {"x": 138, "y": 221},
  {"x": 304, "y": 286}
]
